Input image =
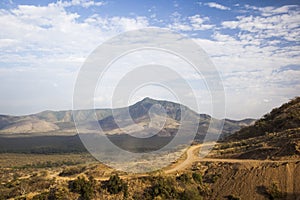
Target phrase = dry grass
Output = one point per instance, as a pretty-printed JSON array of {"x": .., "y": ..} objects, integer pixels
[{"x": 20, "y": 160}]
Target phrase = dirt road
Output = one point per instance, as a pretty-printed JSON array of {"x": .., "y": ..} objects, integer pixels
[
  {"x": 192, "y": 155},
  {"x": 190, "y": 158}
]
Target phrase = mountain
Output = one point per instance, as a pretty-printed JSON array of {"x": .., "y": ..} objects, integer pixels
[
  {"x": 147, "y": 115},
  {"x": 156, "y": 121},
  {"x": 275, "y": 136}
]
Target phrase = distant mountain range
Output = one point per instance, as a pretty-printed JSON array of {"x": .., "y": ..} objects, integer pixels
[
  {"x": 58, "y": 123},
  {"x": 275, "y": 136}
]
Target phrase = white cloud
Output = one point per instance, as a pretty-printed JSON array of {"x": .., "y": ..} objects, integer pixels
[
  {"x": 230, "y": 24},
  {"x": 180, "y": 26},
  {"x": 43, "y": 47},
  {"x": 117, "y": 24},
  {"x": 82, "y": 3},
  {"x": 272, "y": 26},
  {"x": 191, "y": 23},
  {"x": 248, "y": 74},
  {"x": 198, "y": 23},
  {"x": 216, "y": 5},
  {"x": 251, "y": 59},
  {"x": 48, "y": 33},
  {"x": 271, "y": 10},
  {"x": 175, "y": 4},
  {"x": 179, "y": 23}
]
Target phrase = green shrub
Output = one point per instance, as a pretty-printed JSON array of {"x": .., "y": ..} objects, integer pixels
[
  {"x": 72, "y": 171},
  {"x": 59, "y": 193},
  {"x": 184, "y": 178},
  {"x": 116, "y": 185},
  {"x": 83, "y": 187},
  {"x": 164, "y": 188},
  {"x": 190, "y": 194},
  {"x": 197, "y": 177}
]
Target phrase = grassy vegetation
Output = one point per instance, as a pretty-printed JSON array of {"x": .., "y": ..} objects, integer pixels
[
  {"x": 95, "y": 181},
  {"x": 45, "y": 181},
  {"x": 13, "y": 160}
]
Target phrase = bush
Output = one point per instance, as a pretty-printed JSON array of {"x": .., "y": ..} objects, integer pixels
[
  {"x": 59, "y": 193},
  {"x": 184, "y": 178},
  {"x": 212, "y": 178},
  {"x": 197, "y": 177},
  {"x": 164, "y": 188},
  {"x": 83, "y": 187},
  {"x": 190, "y": 194},
  {"x": 53, "y": 194},
  {"x": 72, "y": 171},
  {"x": 116, "y": 185}
]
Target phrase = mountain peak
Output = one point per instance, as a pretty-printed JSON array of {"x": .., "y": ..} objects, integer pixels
[{"x": 149, "y": 100}]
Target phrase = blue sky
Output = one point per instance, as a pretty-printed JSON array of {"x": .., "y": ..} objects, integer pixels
[{"x": 254, "y": 45}]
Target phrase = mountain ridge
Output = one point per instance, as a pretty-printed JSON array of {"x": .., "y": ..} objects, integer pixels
[{"x": 61, "y": 122}]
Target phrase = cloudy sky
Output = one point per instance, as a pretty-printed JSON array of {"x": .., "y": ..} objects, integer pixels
[{"x": 255, "y": 45}]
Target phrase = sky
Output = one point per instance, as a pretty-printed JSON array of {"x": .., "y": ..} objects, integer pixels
[{"x": 255, "y": 46}]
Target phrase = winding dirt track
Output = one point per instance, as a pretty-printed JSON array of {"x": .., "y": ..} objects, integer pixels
[
  {"x": 190, "y": 158},
  {"x": 192, "y": 155}
]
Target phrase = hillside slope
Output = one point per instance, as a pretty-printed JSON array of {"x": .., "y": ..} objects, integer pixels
[
  {"x": 275, "y": 136},
  {"x": 279, "y": 119}
]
